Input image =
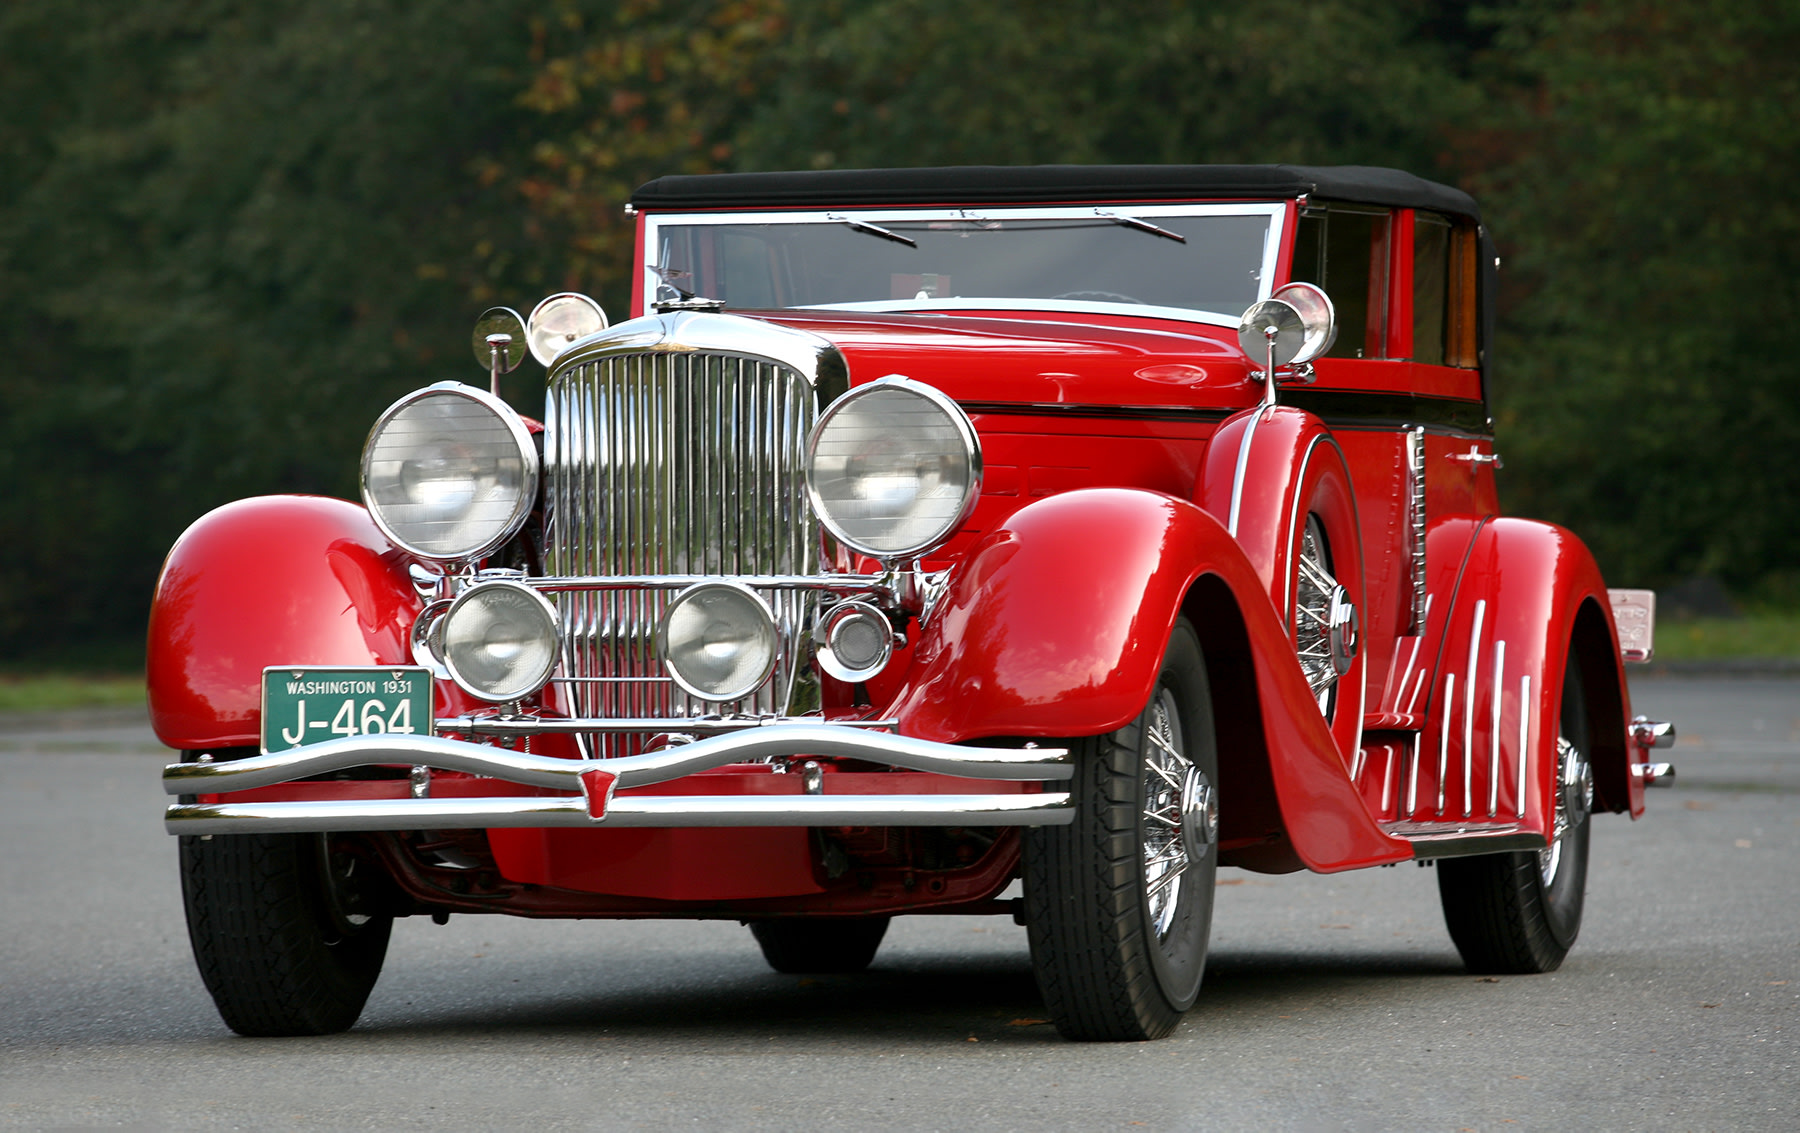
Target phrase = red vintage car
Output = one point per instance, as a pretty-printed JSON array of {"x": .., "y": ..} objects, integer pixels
[{"x": 924, "y": 531}]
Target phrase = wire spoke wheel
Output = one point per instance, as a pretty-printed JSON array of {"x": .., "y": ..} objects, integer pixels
[
  {"x": 1119, "y": 902},
  {"x": 1324, "y": 622}
]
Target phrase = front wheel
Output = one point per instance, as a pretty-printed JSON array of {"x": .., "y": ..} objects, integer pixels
[
  {"x": 1519, "y": 913},
  {"x": 1119, "y": 902},
  {"x": 283, "y": 930}
]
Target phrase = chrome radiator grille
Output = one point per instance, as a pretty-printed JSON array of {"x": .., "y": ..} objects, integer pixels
[{"x": 672, "y": 463}]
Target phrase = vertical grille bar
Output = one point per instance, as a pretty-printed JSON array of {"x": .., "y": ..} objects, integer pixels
[{"x": 664, "y": 463}]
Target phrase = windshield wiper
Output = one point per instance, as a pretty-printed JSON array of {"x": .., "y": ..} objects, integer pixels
[
  {"x": 1142, "y": 225},
  {"x": 873, "y": 230}
]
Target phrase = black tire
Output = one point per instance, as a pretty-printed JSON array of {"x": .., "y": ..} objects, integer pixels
[
  {"x": 277, "y": 933},
  {"x": 1519, "y": 913},
  {"x": 802, "y": 946},
  {"x": 1118, "y": 938}
]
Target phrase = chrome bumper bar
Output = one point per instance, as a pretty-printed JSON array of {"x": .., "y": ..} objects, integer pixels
[{"x": 592, "y": 784}]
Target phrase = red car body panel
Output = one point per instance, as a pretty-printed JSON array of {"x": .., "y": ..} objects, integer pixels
[{"x": 1131, "y": 476}]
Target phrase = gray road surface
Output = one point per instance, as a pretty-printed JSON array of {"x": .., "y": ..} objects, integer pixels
[{"x": 1331, "y": 1002}]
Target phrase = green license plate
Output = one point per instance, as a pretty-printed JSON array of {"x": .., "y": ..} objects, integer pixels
[{"x": 308, "y": 706}]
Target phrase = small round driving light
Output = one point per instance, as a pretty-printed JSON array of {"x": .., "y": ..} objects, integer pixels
[
  {"x": 718, "y": 641},
  {"x": 854, "y": 641},
  {"x": 449, "y": 472},
  {"x": 499, "y": 640},
  {"x": 559, "y": 321},
  {"x": 1318, "y": 318},
  {"x": 894, "y": 468}
]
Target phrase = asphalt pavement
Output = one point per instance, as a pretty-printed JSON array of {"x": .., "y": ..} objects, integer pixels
[{"x": 1331, "y": 1002}]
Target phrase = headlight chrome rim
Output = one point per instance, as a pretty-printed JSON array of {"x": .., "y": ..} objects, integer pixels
[
  {"x": 828, "y": 641},
  {"x": 443, "y": 636},
  {"x": 971, "y": 453},
  {"x": 753, "y": 678},
  {"x": 514, "y": 426}
]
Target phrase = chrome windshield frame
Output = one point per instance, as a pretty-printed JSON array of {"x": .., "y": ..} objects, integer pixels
[{"x": 1274, "y": 211}]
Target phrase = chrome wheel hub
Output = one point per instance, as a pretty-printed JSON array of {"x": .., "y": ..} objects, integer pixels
[
  {"x": 1574, "y": 801},
  {"x": 1181, "y": 813},
  {"x": 1325, "y": 620}
]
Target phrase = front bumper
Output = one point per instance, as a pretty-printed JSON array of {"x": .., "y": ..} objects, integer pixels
[{"x": 591, "y": 787}]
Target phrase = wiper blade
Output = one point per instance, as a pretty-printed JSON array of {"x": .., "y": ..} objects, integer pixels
[
  {"x": 1142, "y": 225},
  {"x": 873, "y": 230}
]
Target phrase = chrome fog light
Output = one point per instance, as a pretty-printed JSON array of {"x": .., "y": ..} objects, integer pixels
[
  {"x": 718, "y": 641},
  {"x": 854, "y": 641},
  {"x": 449, "y": 472},
  {"x": 499, "y": 640},
  {"x": 893, "y": 468}
]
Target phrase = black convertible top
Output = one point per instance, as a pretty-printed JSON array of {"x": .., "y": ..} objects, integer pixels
[{"x": 1048, "y": 184}]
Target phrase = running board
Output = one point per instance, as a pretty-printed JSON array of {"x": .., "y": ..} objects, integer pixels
[{"x": 1463, "y": 839}]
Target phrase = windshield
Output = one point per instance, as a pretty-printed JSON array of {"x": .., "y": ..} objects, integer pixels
[{"x": 1196, "y": 262}]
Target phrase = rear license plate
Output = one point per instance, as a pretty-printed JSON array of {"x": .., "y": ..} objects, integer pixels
[{"x": 303, "y": 706}]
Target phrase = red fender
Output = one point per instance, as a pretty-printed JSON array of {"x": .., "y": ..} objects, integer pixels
[
  {"x": 1537, "y": 598},
  {"x": 274, "y": 580},
  {"x": 1293, "y": 467},
  {"x": 1054, "y": 625}
]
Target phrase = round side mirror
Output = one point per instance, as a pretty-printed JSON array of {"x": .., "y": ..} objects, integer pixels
[
  {"x": 1317, "y": 315},
  {"x": 499, "y": 321},
  {"x": 560, "y": 321},
  {"x": 1272, "y": 326}
]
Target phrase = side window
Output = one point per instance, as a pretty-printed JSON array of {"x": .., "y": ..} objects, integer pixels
[
  {"x": 1345, "y": 250},
  {"x": 1444, "y": 312},
  {"x": 1431, "y": 287}
]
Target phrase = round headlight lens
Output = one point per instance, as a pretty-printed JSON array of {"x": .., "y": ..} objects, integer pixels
[
  {"x": 854, "y": 641},
  {"x": 499, "y": 640},
  {"x": 449, "y": 472},
  {"x": 719, "y": 641},
  {"x": 894, "y": 468}
]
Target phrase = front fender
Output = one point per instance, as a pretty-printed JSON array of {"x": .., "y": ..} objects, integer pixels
[
  {"x": 1054, "y": 625},
  {"x": 273, "y": 580}
]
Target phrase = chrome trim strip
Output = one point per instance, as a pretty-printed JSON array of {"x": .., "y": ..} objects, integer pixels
[
  {"x": 655, "y": 725},
  {"x": 1494, "y": 729},
  {"x": 837, "y": 583},
  {"x": 1444, "y": 737},
  {"x": 1047, "y": 809},
  {"x": 1525, "y": 715},
  {"x": 1243, "y": 461},
  {"x": 1468, "y": 743},
  {"x": 1415, "y": 462},
  {"x": 776, "y": 741},
  {"x": 1412, "y": 783}
]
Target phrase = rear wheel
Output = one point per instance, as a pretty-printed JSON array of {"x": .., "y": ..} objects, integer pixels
[
  {"x": 819, "y": 945},
  {"x": 1119, "y": 902},
  {"x": 1520, "y": 912},
  {"x": 283, "y": 930}
]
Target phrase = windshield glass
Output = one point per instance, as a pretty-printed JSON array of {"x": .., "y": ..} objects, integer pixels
[{"x": 1196, "y": 262}]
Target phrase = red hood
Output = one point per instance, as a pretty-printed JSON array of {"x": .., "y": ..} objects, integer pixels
[{"x": 1041, "y": 359}]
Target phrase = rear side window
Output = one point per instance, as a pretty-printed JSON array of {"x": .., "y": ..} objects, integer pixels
[
  {"x": 1443, "y": 299},
  {"x": 1344, "y": 249}
]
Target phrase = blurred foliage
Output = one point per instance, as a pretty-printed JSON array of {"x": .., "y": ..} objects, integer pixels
[{"x": 231, "y": 232}]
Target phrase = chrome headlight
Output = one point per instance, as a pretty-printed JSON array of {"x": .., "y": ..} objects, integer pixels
[
  {"x": 719, "y": 641},
  {"x": 854, "y": 641},
  {"x": 449, "y": 472},
  {"x": 499, "y": 640},
  {"x": 893, "y": 468}
]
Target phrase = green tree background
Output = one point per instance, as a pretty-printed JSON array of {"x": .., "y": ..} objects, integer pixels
[{"x": 231, "y": 232}]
